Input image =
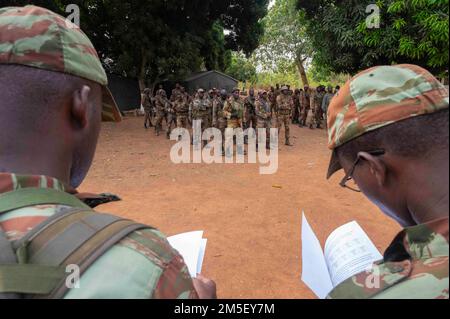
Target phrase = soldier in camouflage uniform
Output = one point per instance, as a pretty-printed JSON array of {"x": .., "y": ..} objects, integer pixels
[
  {"x": 250, "y": 120},
  {"x": 264, "y": 114},
  {"x": 234, "y": 112},
  {"x": 326, "y": 102},
  {"x": 284, "y": 113},
  {"x": 318, "y": 100},
  {"x": 181, "y": 106},
  {"x": 389, "y": 131},
  {"x": 305, "y": 103},
  {"x": 161, "y": 108},
  {"x": 201, "y": 109},
  {"x": 42, "y": 219},
  {"x": 148, "y": 108},
  {"x": 219, "y": 118}
]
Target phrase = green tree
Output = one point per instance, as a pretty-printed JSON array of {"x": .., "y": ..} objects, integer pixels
[
  {"x": 411, "y": 31},
  {"x": 285, "y": 41},
  {"x": 166, "y": 39},
  {"x": 241, "y": 68}
]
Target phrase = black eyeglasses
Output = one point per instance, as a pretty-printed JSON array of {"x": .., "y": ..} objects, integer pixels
[{"x": 349, "y": 177}]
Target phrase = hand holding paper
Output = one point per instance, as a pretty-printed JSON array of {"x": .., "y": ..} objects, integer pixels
[{"x": 191, "y": 247}]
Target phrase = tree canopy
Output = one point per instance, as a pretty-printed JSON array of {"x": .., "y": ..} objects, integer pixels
[
  {"x": 410, "y": 31},
  {"x": 166, "y": 39},
  {"x": 285, "y": 42}
]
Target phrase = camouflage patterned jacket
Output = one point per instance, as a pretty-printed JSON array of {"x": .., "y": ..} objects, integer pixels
[
  {"x": 141, "y": 266},
  {"x": 415, "y": 266},
  {"x": 234, "y": 109},
  {"x": 285, "y": 105}
]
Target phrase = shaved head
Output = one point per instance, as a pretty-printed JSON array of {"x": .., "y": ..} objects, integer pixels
[{"x": 48, "y": 115}]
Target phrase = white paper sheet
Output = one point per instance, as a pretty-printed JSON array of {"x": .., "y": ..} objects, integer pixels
[
  {"x": 314, "y": 268},
  {"x": 349, "y": 251},
  {"x": 191, "y": 247}
]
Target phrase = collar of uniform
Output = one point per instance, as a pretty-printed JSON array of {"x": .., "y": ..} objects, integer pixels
[
  {"x": 11, "y": 182},
  {"x": 424, "y": 241}
]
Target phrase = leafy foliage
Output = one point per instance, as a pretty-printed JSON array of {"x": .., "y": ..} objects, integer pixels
[
  {"x": 411, "y": 31},
  {"x": 285, "y": 42},
  {"x": 166, "y": 39},
  {"x": 241, "y": 68}
]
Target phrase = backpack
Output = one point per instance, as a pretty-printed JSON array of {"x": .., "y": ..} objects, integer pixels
[{"x": 34, "y": 267}]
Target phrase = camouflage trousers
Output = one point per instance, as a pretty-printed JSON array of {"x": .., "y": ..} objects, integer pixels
[
  {"x": 182, "y": 121},
  {"x": 234, "y": 124},
  {"x": 318, "y": 117},
  {"x": 171, "y": 121},
  {"x": 160, "y": 116},
  {"x": 204, "y": 126},
  {"x": 222, "y": 126},
  {"x": 148, "y": 118},
  {"x": 286, "y": 121},
  {"x": 250, "y": 122},
  {"x": 264, "y": 124},
  {"x": 304, "y": 115}
]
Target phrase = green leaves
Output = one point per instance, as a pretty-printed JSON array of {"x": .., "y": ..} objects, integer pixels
[{"x": 411, "y": 31}]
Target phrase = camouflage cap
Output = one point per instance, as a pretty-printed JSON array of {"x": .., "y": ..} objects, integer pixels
[
  {"x": 379, "y": 97},
  {"x": 39, "y": 38}
]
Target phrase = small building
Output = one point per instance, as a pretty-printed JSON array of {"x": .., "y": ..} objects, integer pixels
[
  {"x": 208, "y": 80},
  {"x": 126, "y": 92}
]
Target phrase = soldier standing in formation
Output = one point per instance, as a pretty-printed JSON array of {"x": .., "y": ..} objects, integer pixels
[
  {"x": 148, "y": 108},
  {"x": 250, "y": 120},
  {"x": 200, "y": 110},
  {"x": 161, "y": 102},
  {"x": 305, "y": 104},
  {"x": 219, "y": 118},
  {"x": 234, "y": 112},
  {"x": 318, "y": 100},
  {"x": 263, "y": 112},
  {"x": 284, "y": 113},
  {"x": 296, "y": 113},
  {"x": 326, "y": 103}
]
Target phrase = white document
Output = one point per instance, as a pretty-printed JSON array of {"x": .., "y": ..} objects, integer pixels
[
  {"x": 348, "y": 252},
  {"x": 191, "y": 247}
]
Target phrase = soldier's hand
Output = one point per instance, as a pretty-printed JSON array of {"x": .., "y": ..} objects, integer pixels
[{"x": 206, "y": 288}]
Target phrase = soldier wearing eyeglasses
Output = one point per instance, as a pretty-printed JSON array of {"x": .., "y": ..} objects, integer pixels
[{"x": 389, "y": 132}]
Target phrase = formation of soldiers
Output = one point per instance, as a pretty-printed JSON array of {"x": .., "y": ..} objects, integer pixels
[{"x": 277, "y": 108}]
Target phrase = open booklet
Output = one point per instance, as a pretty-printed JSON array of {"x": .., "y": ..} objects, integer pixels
[
  {"x": 191, "y": 247},
  {"x": 348, "y": 251}
]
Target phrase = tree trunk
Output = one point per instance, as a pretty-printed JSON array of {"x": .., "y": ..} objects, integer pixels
[
  {"x": 142, "y": 71},
  {"x": 302, "y": 71}
]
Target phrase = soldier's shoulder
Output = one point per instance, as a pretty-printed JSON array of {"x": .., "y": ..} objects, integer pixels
[
  {"x": 152, "y": 244},
  {"x": 425, "y": 279}
]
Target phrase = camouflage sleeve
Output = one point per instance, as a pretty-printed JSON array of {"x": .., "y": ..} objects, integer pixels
[{"x": 171, "y": 278}]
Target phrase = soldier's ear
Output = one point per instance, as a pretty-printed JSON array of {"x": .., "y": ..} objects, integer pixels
[{"x": 80, "y": 106}]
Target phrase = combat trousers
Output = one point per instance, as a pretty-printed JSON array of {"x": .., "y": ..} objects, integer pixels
[
  {"x": 171, "y": 121},
  {"x": 158, "y": 122},
  {"x": 234, "y": 124},
  {"x": 264, "y": 124},
  {"x": 182, "y": 121},
  {"x": 251, "y": 122},
  {"x": 222, "y": 126},
  {"x": 148, "y": 119},
  {"x": 318, "y": 117},
  {"x": 204, "y": 125},
  {"x": 286, "y": 121},
  {"x": 304, "y": 115}
]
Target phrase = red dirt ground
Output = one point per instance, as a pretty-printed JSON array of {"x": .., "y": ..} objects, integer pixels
[{"x": 254, "y": 248}]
